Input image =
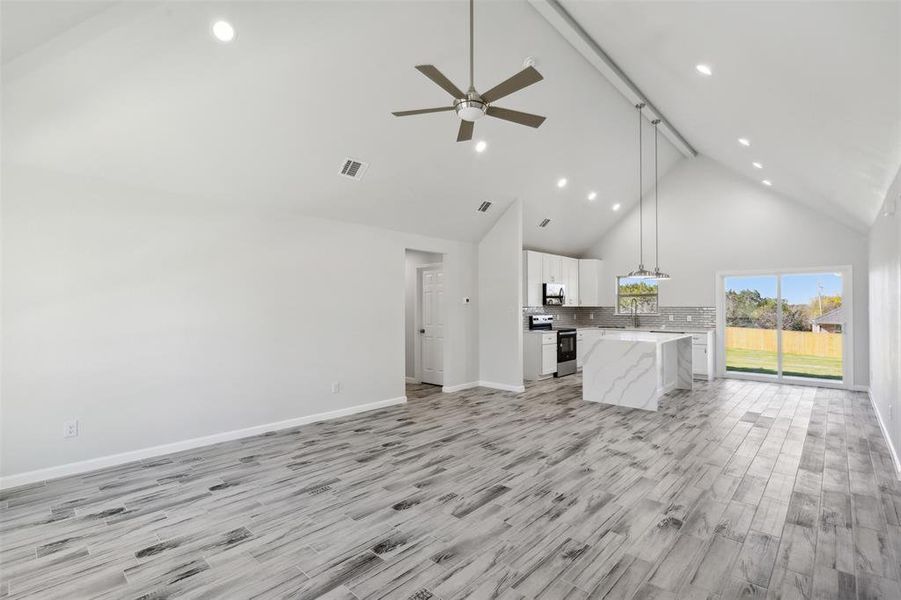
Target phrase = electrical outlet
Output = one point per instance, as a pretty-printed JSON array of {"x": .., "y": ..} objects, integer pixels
[
  {"x": 70, "y": 429},
  {"x": 688, "y": 318},
  {"x": 671, "y": 317},
  {"x": 591, "y": 316},
  {"x": 336, "y": 387}
]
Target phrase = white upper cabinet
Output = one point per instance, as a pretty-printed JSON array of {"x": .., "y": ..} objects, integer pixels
[
  {"x": 590, "y": 278},
  {"x": 531, "y": 278},
  {"x": 571, "y": 280},
  {"x": 551, "y": 268},
  {"x": 539, "y": 268}
]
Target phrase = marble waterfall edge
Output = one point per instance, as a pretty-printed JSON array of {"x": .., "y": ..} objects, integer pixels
[{"x": 634, "y": 369}]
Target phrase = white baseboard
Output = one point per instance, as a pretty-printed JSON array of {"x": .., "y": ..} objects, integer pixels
[
  {"x": 101, "y": 462},
  {"x": 518, "y": 389},
  {"x": 888, "y": 439},
  {"x": 859, "y": 388},
  {"x": 459, "y": 387},
  {"x": 412, "y": 380},
  {"x": 486, "y": 384}
]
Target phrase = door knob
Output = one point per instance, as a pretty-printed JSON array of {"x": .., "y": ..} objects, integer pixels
[{"x": 422, "y": 331}]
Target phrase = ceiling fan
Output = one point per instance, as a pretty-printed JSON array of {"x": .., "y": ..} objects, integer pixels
[{"x": 472, "y": 106}]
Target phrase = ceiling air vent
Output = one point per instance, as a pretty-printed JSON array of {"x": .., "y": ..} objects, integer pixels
[
  {"x": 353, "y": 169},
  {"x": 544, "y": 223},
  {"x": 484, "y": 206}
]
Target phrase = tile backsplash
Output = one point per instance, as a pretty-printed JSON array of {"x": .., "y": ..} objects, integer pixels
[{"x": 702, "y": 317}]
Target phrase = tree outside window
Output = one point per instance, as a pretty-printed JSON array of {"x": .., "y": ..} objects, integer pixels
[{"x": 638, "y": 293}]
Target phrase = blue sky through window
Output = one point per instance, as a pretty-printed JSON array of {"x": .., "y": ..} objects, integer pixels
[{"x": 796, "y": 288}]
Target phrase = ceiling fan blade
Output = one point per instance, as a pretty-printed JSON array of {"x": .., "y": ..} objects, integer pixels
[
  {"x": 515, "y": 116},
  {"x": 439, "y": 78},
  {"x": 421, "y": 111},
  {"x": 465, "y": 133},
  {"x": 524, "y": 78}
]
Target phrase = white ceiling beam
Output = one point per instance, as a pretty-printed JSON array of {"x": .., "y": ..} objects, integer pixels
[{"x": 579, "y": 39}]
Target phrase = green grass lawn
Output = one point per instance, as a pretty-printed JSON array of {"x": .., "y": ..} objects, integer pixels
[{"x": 793, "y": 365}]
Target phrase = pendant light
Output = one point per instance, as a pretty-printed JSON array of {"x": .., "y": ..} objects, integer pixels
[
  {"x": 641, "y": 272},
  {"x": 658, "y": 274}
]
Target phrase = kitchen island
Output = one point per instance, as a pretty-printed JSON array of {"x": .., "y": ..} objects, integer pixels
[{"x": 635, "y": 368}]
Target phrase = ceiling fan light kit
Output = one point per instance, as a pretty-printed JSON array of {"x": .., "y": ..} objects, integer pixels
[{"x": 472, "y": 106}]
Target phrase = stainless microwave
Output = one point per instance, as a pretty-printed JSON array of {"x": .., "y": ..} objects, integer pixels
[{"x": 554, "y": 294}]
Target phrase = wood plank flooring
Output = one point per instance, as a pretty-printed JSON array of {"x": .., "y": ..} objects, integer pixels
[{"x": 734, "y": 490}]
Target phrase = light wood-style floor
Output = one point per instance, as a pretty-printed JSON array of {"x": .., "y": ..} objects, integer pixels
[{"x": 735, "y": 490}]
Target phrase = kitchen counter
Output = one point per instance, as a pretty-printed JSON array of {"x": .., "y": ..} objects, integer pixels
[
  {"x": 635, "y": 368},
  {"x": 649, "y": 329}
]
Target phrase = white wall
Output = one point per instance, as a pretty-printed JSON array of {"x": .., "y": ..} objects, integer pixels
[
  {"x": 412, "y": 259},
  {"x": 885, "y": 316},
  {"x": 154, "y": 318},
  {"x": 500, "y": 302},
  {"x": 714, "y": 220}
]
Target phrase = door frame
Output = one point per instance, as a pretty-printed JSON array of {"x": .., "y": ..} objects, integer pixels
[
  {"x": 417, "y": 318},
  {"x": 847, "y": 273}
]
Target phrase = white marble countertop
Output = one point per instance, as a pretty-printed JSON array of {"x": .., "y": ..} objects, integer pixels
[
  {"x": 648, "y": 329},
  {"x": 643, "y": 336}
]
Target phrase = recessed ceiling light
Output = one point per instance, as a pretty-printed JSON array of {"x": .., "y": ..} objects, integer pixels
[
  {"x": 744, "y": 141},
  {"x": 592, "y": 195},
  {"x": 704, "y": 70},
  {"x": 561, "y": 182},
  {"x": 616, "y": 206},
  {"x": 481, "y": 145},
  {"x": 757, "y": 165},
  {"x": 223, "y": 31},
  {"x": 767, "y": 182}
]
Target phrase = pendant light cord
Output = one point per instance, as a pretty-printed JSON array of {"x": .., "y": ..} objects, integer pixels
[
  {"x": 656, "y": 204},
  {"x": 640, "y": 106}
]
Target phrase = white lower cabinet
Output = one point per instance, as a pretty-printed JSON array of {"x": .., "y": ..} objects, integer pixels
[
  {"x": 702, "y": 363},
  {"x": 548, "y": 359},
  {"x": 539, "y": 355}
]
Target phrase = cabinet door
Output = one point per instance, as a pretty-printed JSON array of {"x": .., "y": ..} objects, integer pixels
[
  {"x": 580, "y": 349},
  {"x": 548, "y": 359},
  {"x": 699, "y": 359},
  {"x": 571, "y": 277},
  {"x": 532, "y": 278},
  {"x": 550, "y": 268},
  {"x": 589, "y": 282}
]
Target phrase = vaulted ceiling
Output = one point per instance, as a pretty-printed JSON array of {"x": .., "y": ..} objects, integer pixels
[
  {"x": 814, "y": 86},
  {"x": 141, "y": 94}
]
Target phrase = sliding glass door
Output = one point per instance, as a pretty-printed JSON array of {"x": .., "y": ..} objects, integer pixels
[
  {"x": 751, "y": 316},
  {"x": 785, "y": 326},
  {"x": 812, "y": 325}
]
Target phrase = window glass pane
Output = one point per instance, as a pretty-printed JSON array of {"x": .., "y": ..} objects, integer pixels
[
  {"x": 751, "y": 343},
  {"x": 812, "y": 322},
  {"x": 636, "y": 295}
]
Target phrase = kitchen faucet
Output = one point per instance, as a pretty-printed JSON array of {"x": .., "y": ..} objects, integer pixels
[{"x": 635, "y": 320}]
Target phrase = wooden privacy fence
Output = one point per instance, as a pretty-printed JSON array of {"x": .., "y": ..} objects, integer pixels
[{"x": 793, "y": 342}]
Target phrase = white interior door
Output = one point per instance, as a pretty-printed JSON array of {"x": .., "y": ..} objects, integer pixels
[{"x": 432, "y": 330}]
